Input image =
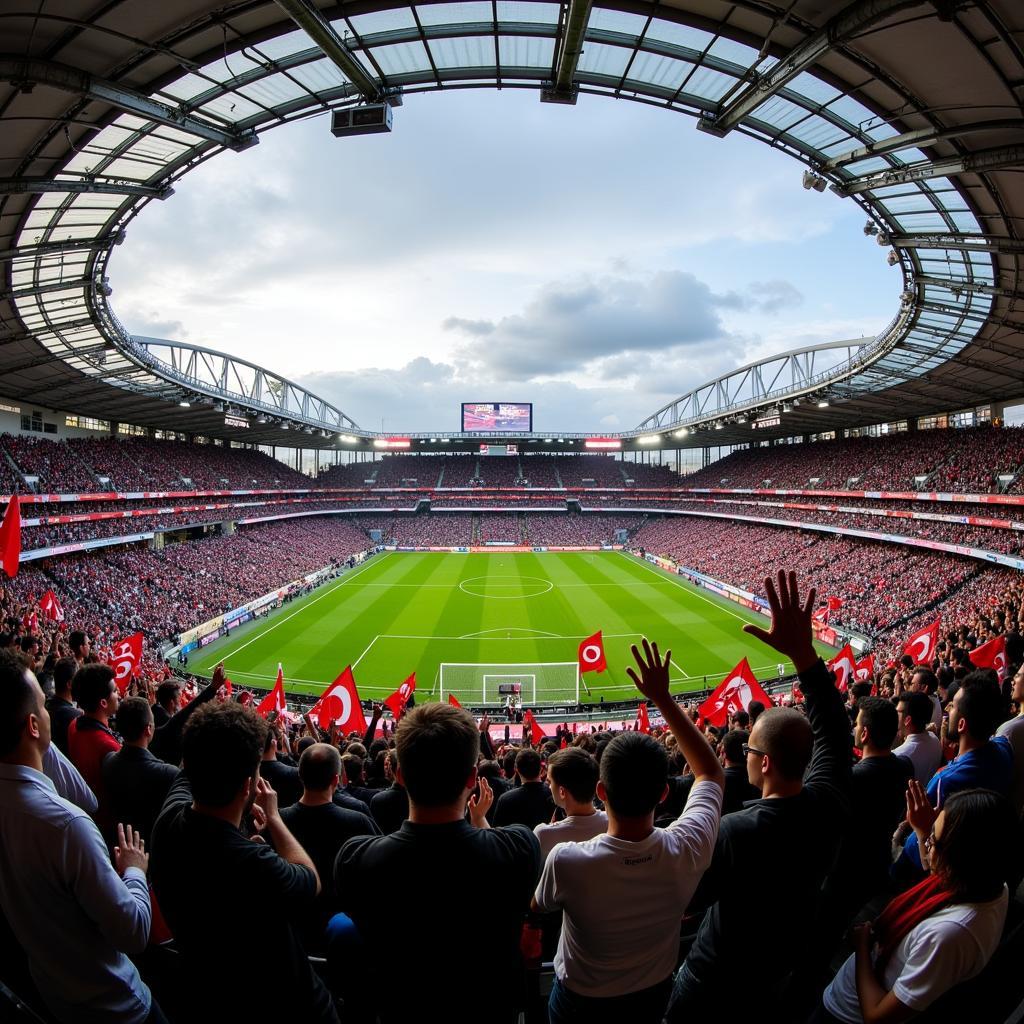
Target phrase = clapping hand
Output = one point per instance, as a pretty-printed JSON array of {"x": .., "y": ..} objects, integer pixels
[
  {"x": 130, "y": 851},
  {"x": 920, "y": 813},
  {"x": 480, "y": 805},
  {"x": 791, "y": 633}
]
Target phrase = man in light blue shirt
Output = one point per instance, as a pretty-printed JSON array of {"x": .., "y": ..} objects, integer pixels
[{"x": 73, "y": 913}]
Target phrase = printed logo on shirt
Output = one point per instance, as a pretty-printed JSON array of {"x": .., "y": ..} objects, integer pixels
[{"x": 632, "y": 861}]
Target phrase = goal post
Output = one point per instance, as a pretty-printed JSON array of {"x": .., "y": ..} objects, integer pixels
[{"x": 489, "y": 683}]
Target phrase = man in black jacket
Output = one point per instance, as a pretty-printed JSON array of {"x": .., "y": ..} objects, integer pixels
[
  {"x": 802, "y": 768},
  {"x": 135, "y": 780},
  {"x": 530, "y": 803},
  {"x": 390, "y": 807},
  {"x": 62, "y": 708}
]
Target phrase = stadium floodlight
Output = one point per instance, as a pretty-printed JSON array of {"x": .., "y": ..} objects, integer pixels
[
  {"x": 823, "y": 402},
  {"x": 284, "y": 425},
  {"x": 816, "y": 181},
  {"x": 347, "y": 439},
  {"x": 892, "y": 259},
  {"x": 185, "y": 403},
  {"x": 787, "y": 406},
  {"x": 648, "y": 439},
  {"x": 218, "y": 406},
  {"x": 262, "y": 418},
  {"x": 719, "y": 425},
  {"x": 682, "y": 432},
  {"x": 547, "y": 440},
  {"x": 445, "y": 440},
  {"x": 871, "y": 228},
  {"x": 883, "y": 238},
  {"x": 741, "y": 418}
]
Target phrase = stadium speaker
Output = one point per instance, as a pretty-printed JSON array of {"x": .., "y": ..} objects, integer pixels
[{"x": 372, "y": 119}]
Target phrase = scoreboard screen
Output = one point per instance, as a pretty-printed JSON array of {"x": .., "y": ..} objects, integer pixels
[{"x": 488, "y": 416}]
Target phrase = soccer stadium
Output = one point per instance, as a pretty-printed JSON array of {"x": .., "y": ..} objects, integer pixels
[{"x": 682, "y": 679}]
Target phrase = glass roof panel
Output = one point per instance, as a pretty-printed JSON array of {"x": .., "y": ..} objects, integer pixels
[
  {"x": 378, "y": 21},
  {"x": 605, "y": 60},
  {"x": 516, "y": 10},
  {"x": 231, "y": 106},
  {"x": 922, "y": 221},
  {"x": 868, "y": 166},
  {"x": 273, "y": 91},
  {"x": 402, "y": 58},
  {"x": 283, "y": 46},
  {"x": 320, "y": 75},
  {"x": 813, "y": 88},
  {"x": 661, "y": 71},
  {"x": 681, "y": 35},
  {"x": 464, "y": 52},
  {"x": 710, "y": 85},
  {"x": 779, "y": 113},
  {"x": 447, "y": 14},
  {"x": 186, "y": 87},
  {"x": 816, "y": 131},
  {"x": 850, "y": 110},
  {"x": 529, "y": 51},
  {"x": 616, "y": 21}
]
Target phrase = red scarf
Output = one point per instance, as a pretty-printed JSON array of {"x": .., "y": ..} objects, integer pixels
[{"x": 905, "y": 912}]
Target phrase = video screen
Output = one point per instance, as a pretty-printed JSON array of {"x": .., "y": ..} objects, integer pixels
[{"x": 497, "y": 416}]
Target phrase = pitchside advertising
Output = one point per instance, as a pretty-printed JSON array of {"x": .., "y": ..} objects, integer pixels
[{"x": 487, "y": 416}]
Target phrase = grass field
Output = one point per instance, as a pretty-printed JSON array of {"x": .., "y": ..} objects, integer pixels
[{"x": 406, "y": 611}]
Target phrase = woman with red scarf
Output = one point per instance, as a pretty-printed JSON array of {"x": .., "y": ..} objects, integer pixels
[{"x": 942, "y": 931}]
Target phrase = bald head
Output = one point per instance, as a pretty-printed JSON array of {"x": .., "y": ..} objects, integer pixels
[
  {"x": 784, "y": 734},
  {"x": 318, "y": 766}
]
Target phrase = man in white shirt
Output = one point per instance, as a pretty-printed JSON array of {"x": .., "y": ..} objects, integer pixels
[
  {"x": 73, "y": 913},
  {"x": 624, "y": 893},
  {"x": 921, "y": 747},
  {"x": 572, "y": 774},
  {"x": 1013, "y": 730}
]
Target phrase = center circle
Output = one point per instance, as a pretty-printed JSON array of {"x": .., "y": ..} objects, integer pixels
[{"x": 499, "y": 587}]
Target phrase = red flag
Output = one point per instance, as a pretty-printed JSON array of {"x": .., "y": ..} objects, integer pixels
[
  {"x": 454, "y": 703},
  {"x": 844, "y": 664},
  {"x": 992, "y": 654},
  {"x": 536, "y": 732},
  {"x": 921, "y": 646},
  {"x": 834, "y": 603},
  {"x": 340, "y": 703},
  {"x": 563, "y": 744},
  {"x": 51, "y": 607},
  {"x": 228, "y": 688},
  {"x": 644, "y": 718},
  {"x": 274, "y": 701},
  {"x": 10, "y": 536},
  {"x": 400, "y": 697},
  {"x": 125, "y": 659},
  {"x": 820, "y": 617},
  {"x": 31, "y": 622},
  {"x": 733, "y": 693},
  {"x": 864, "y": 670},
  {"x": 591, "y": 654}
]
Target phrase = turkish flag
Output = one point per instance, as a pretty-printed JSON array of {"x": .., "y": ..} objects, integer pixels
[
  {"x": 844, "y": 664},
  {"x": 734, "y": 693},
  {"x": 591, "y": 654},
  {"x": 340, "y": 703},
  {"x": 454, "y": 703},
  {"x": 864, "y": 671},
  {"x": 992, "y": 655},
  {"x": 820, "y": 617},
  {"x": 400, "y": 697},
  {"x": 536, "y": 732},
  {"x": 51, "y": 607},
  {"x": 644, "y": 718},
  {"x": 10, "y": 536},
  {"x": 274, "y": 701},
  {"x": 921, "y": 646},
  {"x": 125, "y": 659},
  {"x": 834, "y": 603}
]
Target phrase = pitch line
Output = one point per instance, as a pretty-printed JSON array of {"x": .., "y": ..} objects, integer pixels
[
  {"x": 303, "y": 607},
  {"x": 367, "y": 651}
]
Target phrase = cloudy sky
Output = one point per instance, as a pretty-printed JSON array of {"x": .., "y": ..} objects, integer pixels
[{"x": 597, "y": 260}]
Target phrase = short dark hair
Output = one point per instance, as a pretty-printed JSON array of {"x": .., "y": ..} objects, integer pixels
[
  {"x": 438, "y": 746},
  {"x": 528, "y": 764},
  {"x": 18, "y": 700},
  {"x": 91, "y": 685},
  {"x": 76, "y": 638},
  {"x": 221, "y": 747},
  {"x": 732, "y": 745},
  {"x": 576, "y": 770},
  {"x": 929, "y": 680},
  {"x": 63, "y": 672},
  {"x": 133, "y": 715},
  {"x": 880, "y": 718},
  {"x": 318, "y": 766},
  {"x": 166, "y": 692},
  {"x": 917, "y": 707},
  {"x": 979, "y": 844},
  {"x": 634, "y": 772},
  {"x": 741, "y": 718},
  {"x": 28, "y": 642},
  {"x": 755, "y": 708},
  {"x": 861, "y": 690},
  {"x": 784, "y": 734},
  {"x": 981, "y": 704},
  {"x": 353, "y": 768}
]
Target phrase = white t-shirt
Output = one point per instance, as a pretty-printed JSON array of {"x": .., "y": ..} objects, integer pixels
[
  {"x": 1013, "y": 730},
  {"x": 924, "y": 751},
  {"x": 623, "y": 901},
  {"x": 949, "y": 947},
  {"x": 573, "y": 829}
]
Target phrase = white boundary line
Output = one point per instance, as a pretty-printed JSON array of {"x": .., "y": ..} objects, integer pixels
[
  {"x": 367, "y": 651},
  {"x": 542, "y": 633},
  {"x": 306, "y": 604}
]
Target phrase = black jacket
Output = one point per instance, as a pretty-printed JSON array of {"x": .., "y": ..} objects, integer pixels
[
  {"x": 390, "y": 808},
  {"x": 529, "y": 804},
  {"x": 137, "y": 784}
]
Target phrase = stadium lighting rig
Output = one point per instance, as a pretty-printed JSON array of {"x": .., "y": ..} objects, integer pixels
[{"x": 814, "y": 181}]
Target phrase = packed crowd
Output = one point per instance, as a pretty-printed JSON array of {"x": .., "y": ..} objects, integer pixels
[{"x": 194, "y": 826}]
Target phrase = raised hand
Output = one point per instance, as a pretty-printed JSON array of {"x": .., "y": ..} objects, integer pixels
[
  {"x": 479, "y": 806},
  {"x": 791, "y": 633},
  {"x": 266, "y": 799},
  {"x": 130, "y": 851},
  {"x": 653, "y": 679},
  {"x": 920, "y": 813}
]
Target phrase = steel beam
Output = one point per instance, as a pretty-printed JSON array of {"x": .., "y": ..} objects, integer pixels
[
  {"x": 11, "y": 186},
  {"x": 68, "y": 245},
  {"x": 965, "y": 243},
  {"x": 839, "y": 30},
  {"x": 53, "y": 286},
  {"x": 974, "y": 163},
  {"x": 563, "y": 89},
  {"x": 953, "y": 285},
  {"x": 29, "y": 71},
  {"x": 320, "y": 30}
]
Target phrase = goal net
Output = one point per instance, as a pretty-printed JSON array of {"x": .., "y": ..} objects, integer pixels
[{"x": 530, "y": 683}]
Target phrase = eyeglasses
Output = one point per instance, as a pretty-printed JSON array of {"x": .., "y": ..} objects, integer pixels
[
  {"x": 932, "y": 842},
  {"x": 747, "y": 749}
]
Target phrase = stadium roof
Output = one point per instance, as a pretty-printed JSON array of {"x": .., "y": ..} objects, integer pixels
[{"x": 912, "y": 108}]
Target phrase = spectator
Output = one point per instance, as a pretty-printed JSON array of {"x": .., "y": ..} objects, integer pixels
[
  {"x": 90, "y": 738},
  {"x": 390, "y": 807},
  {"x": 220, "y": 890},
  {"x": 353, "y": 776},
  {"x": 168, "y": 702},
  {"x": 60, "y": 706},
  {"x": 80, "y": 646},
  {"x": 1013, "y": 732},
  {"x": 920, "y": 745},
  {"x": 738, "y": 787},
  {"x": 624, "y": 893},
  {"x": 438, "y": 746},
  {"x": 573, "y": 774},
  {"x": 71, "y": 913},
  {"x": 924, "y": 680},
  {"x": 530, "y": 802},
  {"x": 283, "y": 777}
]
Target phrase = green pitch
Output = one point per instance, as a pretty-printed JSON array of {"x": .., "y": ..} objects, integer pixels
[{"x": 410, "y": 611}]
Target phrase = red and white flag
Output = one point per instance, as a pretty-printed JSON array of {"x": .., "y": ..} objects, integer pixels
[
  {"x": 454, "y": 703},
  {"x": 10, "y": 536},
  {"x": 126, "y": 659},
  {"x": 734, "y": 693},
  {"x": 536, "y": 732},
  {"x": 820, "y": 617},
  {"x": 591, "y": 654},
  {"x": 274, "y": 701},
  {"x": 643, "y": 719},
  {"x": 340, "y": 703},
  {"x": 30, "y": 621},
  {"x": 844, "y": 664},
  {"x": 400, "y": 697},
  {"x": 864, "y": 672},
  {"x": 921, "y": 646},
  {"x": 834, "y": 603},
  {"x": 992, "y": 655},
  {"x": 51, "y": 607}
]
